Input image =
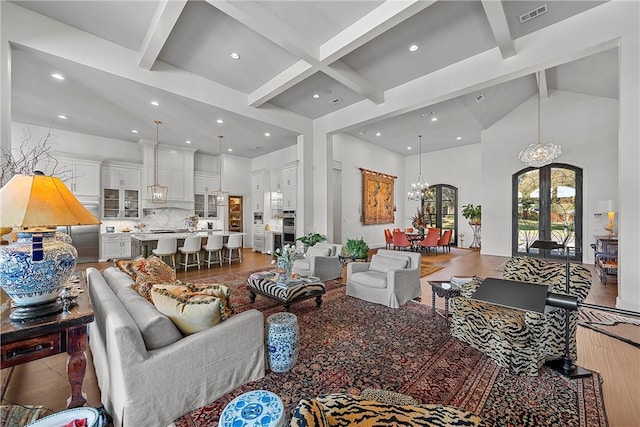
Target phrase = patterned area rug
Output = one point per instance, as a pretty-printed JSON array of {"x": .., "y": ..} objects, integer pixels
[
  {"x": 20, "y": 415},
  {"x": 625, "y": 329},
  {"x": 427, "y": 268},
  {"x": 348, "y": 345}
]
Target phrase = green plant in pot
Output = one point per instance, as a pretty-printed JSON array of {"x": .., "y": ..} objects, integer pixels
[
  {"x": 472, "y": 213},
  {"x": 356, "y": 248},
  {"x": 311, "y": 239}
]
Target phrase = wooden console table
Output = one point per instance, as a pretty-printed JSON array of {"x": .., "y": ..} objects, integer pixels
[
  {"x": 606, "y": 257},
  {"x": 27, "y": 341}
]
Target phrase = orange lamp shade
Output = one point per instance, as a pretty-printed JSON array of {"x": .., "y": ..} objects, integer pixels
[{"x": 40, "y": 201}]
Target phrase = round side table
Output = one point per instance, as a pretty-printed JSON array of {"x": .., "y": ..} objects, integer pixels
[
  {"x": 254, "y": 408},
  {"x": 283, "y": 341}
]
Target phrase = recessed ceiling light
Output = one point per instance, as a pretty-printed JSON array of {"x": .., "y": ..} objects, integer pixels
[
  {"x": 434, "y": 119},
  {"x": 234, "y": 55},
  {"x": 57, "y": 76},
  {"x": 229, "y": 149},
  {"x": 155, "y": 103},
  {"x": 187, "y": 142},
  {"x": 408, "y": 148},
  {"x": 459, "y": 138},
  {"x": 378, "y": 134},
  {"x": 267, "y": 134},
  {"x": 413, "y": 48},
  {"x": 316, "y": 96},
  {"x": 220, "y": 121},
  {"x": 134, "y": 131},
  {"x": 63, "y": 117}
]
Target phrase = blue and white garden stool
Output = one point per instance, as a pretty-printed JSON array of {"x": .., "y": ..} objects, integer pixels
[
  {"x": 257, "y": 408},
  {"x": 283, "y": 341}
]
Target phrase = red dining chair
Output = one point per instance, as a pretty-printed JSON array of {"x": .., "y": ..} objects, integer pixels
[
  {"x": 436, "y": 229},
  {"x": 400, "y": 241},
  {"x": 430, "y": 241},
  {"x": 388, "y": 238},
  {"x": 445, "y": 240}
]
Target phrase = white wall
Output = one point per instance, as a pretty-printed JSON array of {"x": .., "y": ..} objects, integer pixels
[
  {"x": 78, "y": 143},
  {"x": 460, "y": 167},
  {"x": 586, "y": 128},
  {"x": 354, "y": 153}
]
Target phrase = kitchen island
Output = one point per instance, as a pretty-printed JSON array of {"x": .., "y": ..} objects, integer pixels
[{"x": 142, "y": 244}]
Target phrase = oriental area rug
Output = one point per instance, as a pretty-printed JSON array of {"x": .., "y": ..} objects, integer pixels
[{"x": 348, "y": 345}]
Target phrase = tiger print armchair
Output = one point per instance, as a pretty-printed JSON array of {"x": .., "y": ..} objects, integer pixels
[
  {"x": 341, "y": 409},
  {"x": 520, "y": 340}
]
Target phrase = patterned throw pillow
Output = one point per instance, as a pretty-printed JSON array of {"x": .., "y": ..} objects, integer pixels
[
  {"x": 150, "y": 272},
  {"x": 126, "y": 265},
  {"x": 192, "y": 308}
]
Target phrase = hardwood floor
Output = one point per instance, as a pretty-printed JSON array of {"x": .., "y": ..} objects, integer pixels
[{"x": 44, "y": 382}]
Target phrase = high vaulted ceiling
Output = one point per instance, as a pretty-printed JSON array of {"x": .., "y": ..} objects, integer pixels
[{"x": 343, "y": 52}]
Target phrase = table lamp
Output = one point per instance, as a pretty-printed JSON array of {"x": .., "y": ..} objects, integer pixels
[
  {"x": 609, "y": 207},
  {"x": 34, "y": 269}
]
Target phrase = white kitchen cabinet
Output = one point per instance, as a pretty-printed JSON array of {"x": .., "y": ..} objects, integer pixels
[
  {"x": 289, "y": 199},
  {"x": 121, "y": 191},
  {"x": 289, "y": 177},
  {"x": 259, "y": 184},
  {"x": 175, "y": 180},
  {"x": 115, "y": 246},
  {"x": 82, "y": 177},
  {"x": 204, "y": 199},
  {"x": 276, "y": 181}
]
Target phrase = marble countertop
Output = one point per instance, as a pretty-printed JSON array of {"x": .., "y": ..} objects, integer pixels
[{"x": 146, "y": 237}]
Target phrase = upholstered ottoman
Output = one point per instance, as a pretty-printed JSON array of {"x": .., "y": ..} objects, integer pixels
[{"x": 295, "y": 290}]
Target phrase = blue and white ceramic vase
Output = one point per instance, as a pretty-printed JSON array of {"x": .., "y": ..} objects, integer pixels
[
  {"x": 32, "y": 271},
  {"x": 283, "y": 341}
]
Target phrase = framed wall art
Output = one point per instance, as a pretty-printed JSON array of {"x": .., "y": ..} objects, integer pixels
[{"x": 378, "y": 202}]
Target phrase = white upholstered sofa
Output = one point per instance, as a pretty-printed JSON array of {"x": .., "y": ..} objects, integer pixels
[
  {"x": 321, "y": 261},
  {"x": 148, "y": 373},
  {"x": 391, "y": 278}
]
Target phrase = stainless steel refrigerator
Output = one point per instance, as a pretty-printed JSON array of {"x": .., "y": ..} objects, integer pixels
[{"x": 86, "y": 238}]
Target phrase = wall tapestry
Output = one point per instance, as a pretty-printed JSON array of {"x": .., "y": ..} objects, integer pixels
[{"x": 378, "y": 203}]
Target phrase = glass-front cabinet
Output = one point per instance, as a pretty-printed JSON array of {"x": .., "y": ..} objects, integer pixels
[
  {"x": 235, "y": 213},
  {"x": 121, "y": 192},
  {"x": 204, "y": 199}
]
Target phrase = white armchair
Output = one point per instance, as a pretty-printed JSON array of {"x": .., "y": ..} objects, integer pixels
[
  {"x": 391, "y": 278},
  {"x": 321, "y": 260}
]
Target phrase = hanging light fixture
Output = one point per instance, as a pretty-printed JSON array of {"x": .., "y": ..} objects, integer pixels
[
  {"x": 220, "y": 195},
  {"x": 157, "y": 193},
  {"x": 417, "y": 189},
  {"x": 538, "y": 155}
]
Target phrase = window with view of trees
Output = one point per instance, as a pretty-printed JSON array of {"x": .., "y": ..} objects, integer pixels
[
  {"x": 440, "y": 209},
  {"x": 547, "y": 205}
]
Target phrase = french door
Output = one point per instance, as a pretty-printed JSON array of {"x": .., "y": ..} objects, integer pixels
[
  {"x": 547, "y": 205},
  {"x": 440, "y": 207}
]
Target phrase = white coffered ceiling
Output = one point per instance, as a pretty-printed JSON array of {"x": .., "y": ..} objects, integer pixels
[{"x": 343, "y": 51}]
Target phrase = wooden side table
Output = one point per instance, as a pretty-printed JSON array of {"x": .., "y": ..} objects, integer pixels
[{"x": 27, "y": 341}]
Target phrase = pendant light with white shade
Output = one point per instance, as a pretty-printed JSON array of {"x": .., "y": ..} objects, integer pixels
[{"x": 220, "y": 195}]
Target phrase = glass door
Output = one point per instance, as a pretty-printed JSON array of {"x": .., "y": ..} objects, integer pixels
[
  {"x": 547, "y": 206},
  {"x": 235, "y": 213},
  {"x": 440, "y": 209}
]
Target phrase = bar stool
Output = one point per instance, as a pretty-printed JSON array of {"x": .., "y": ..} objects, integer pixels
[
  {"x": 214, "y": 245},
  {"x": 192, "y": 246},
  {"x": 234, "y": 242},
  {"x": 167, "y": 246}
]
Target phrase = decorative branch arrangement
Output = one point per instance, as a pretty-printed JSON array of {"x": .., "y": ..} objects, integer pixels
[{"x": 27, "y": 159}]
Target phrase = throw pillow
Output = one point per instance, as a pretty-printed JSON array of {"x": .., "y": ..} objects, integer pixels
[
  {"x": 384, "y": 264},
  {"x": 126, "y": 265},
  {"x": 192, "y": 308},
  {"x": 318, "y": 251},
  {"x": 150, "y": 272}
]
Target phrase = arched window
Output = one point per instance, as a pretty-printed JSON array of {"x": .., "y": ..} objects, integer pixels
[
  {"x": 440, "y": 206},
  {"x": 547, "y": 205}
]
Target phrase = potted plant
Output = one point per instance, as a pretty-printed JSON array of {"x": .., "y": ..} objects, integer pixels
[
  {"x": 356, "y": 248},
  {"x": 472, "y": 213},
  {"x": 311, "y": 239}
]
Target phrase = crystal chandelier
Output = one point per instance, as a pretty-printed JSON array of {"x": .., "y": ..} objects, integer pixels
[
  {"x": 538, "y": 155},
  {"x": 417, "y": 188},
  {"x": 157, "y": 193},
  {"x": 220, "y": 195}
]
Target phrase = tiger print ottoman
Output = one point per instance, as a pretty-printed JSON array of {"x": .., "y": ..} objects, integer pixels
[
  {"x": 521, "y": 341},
  {"x": 348, "y": 410}
]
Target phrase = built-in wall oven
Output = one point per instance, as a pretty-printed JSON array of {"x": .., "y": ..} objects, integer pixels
[{"x": 289, "y": 227}]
